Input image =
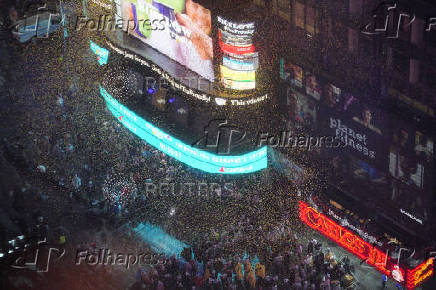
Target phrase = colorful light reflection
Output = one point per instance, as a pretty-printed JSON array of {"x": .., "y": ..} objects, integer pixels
[
  {"x": 205, "y": 161},
  {"x": 362, "y": 249}
]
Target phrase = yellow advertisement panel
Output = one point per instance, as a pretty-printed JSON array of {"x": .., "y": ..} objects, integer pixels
[{"x": 247, "y": 76}]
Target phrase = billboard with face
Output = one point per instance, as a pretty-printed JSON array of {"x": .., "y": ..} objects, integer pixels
[
  {"x": 180, "y": 29},
  {"x": 410, "y": 169}
]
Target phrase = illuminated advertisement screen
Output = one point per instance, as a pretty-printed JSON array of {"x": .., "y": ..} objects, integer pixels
[
  {"x": 187, "y": 154},
  {"x": 228, "y": 48},
  {"x": 293, "y": 74},
  {"x": 241, "y": 76},
  {"x": 240, "y": 40},
  {"x": 239, "y": 85},
  {"x": 312, "y": 86},
  {"x": 348, "y": 240},
  {"x": 240, "y": 59},
  {"x": 180, "y": 29},
  {"x": 233, "y": 62},
  {"x": 420, "y": 274},
  {"x": 411, "y": 162},
  {"x": 238, "y": 80},
  {"x": 370, "y": 254},
  {"x": 102, "y": 53}
]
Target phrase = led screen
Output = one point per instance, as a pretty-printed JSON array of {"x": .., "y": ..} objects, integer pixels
[
  {"x": 180, "y": 29},
  {"x": 102, "y": 53},
  {"x": 240, "y": 59},
  {"x": 187, "y": 154}
]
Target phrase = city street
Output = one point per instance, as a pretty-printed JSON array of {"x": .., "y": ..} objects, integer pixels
[{"x": 95, "y": 161}]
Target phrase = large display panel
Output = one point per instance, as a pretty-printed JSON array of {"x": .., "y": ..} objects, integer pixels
[
  {"x": 370, "y": 254},
  {"x": 240, "y": 60},
  {"x": 187, "y": 154},
  {"x": 384, "y": 159},
  {"x": 102, "y": 53},
  {"x": 180, "y": 29}
]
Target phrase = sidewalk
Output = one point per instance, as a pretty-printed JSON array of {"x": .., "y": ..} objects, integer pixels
[{"x": 367, "y": 277}]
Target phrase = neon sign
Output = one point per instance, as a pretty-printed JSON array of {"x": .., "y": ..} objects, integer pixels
[
  {"x": 421, "y": 273},
  {"x": 205, "y": 161},
  {"x": 179, "y": 86},
  {"x": 364, "y": 250},
  {"x": 346, "y": 239}
]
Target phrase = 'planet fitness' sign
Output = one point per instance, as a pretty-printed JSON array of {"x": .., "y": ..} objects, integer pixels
[{"x": 187, "y": 154}]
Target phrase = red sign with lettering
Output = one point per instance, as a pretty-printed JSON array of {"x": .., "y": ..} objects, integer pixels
[
  {"x": 421, "y": 273},
  {"x": 364, "y": 250},
  {"x": 227, "y": 48}
]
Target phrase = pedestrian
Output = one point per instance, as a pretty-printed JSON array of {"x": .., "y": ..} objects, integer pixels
[
  {"x": 384, "y": 280},
  {"x": 310, "y": 247}
]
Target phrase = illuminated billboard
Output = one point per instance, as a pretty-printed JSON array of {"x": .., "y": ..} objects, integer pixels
[
  {"x": 102, "y": 53},
  {"x": 240, "y": 76},
  {"x": 236, "y": 62},
  {"x": 240, "y": 60},
  {"x": 370, "y": 254},
  {"x": 202, "y": 160},
  {"x": 182, "y": 32}
]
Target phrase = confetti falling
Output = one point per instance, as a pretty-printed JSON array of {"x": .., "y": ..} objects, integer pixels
[{"x": 119, "y": 191}]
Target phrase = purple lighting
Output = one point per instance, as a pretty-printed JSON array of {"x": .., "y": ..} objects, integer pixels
[
  {"x": 171, "y": 100},
  {"x": 150, "y": 91}
]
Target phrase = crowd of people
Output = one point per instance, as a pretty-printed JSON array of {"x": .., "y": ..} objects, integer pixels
[
  {"x": 75, "y": 149},
  {"x": 286, "y": 262}
]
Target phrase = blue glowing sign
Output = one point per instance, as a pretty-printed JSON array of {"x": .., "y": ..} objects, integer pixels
[
  {"x": 205, "y": 161},
  {"x": 102, "y": 53}
]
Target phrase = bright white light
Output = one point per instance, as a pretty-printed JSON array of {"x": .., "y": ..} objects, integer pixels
[
  {"x": 172, "y": 211},
  {"x": 20, "y": 237},
  {"x": 181, "y": 111},
  {"x": 2, "y": 255},
  {"x": 220, "y": 102},
  {"x": 11, "y": 242},
  {"x": 10, "y": 251}
]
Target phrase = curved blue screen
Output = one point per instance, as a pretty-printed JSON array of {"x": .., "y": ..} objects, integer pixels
[{"x": 205, "y": 161}]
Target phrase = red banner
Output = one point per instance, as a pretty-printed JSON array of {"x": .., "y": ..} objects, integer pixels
[
  {"x": 227, "y": 48},
  {"x": 364, "y": 250},
  {"x": 421, "y": 273}
]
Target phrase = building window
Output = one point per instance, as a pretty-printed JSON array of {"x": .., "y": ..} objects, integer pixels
[
  {"x": 414, "y": 71},
  {"x": 417, "y": 32},
  {"x": 299, "y": 15},
  {"x": 431, "y": 72},
  {"x": 353, "y": 40},
  {"x": 284, "y": 5},
  {"x": 310, "y": 20},
  {"x": 305, "y": 17},
  {"x": 355, "y": 7},
  {"x": 430, "y": 36}
]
